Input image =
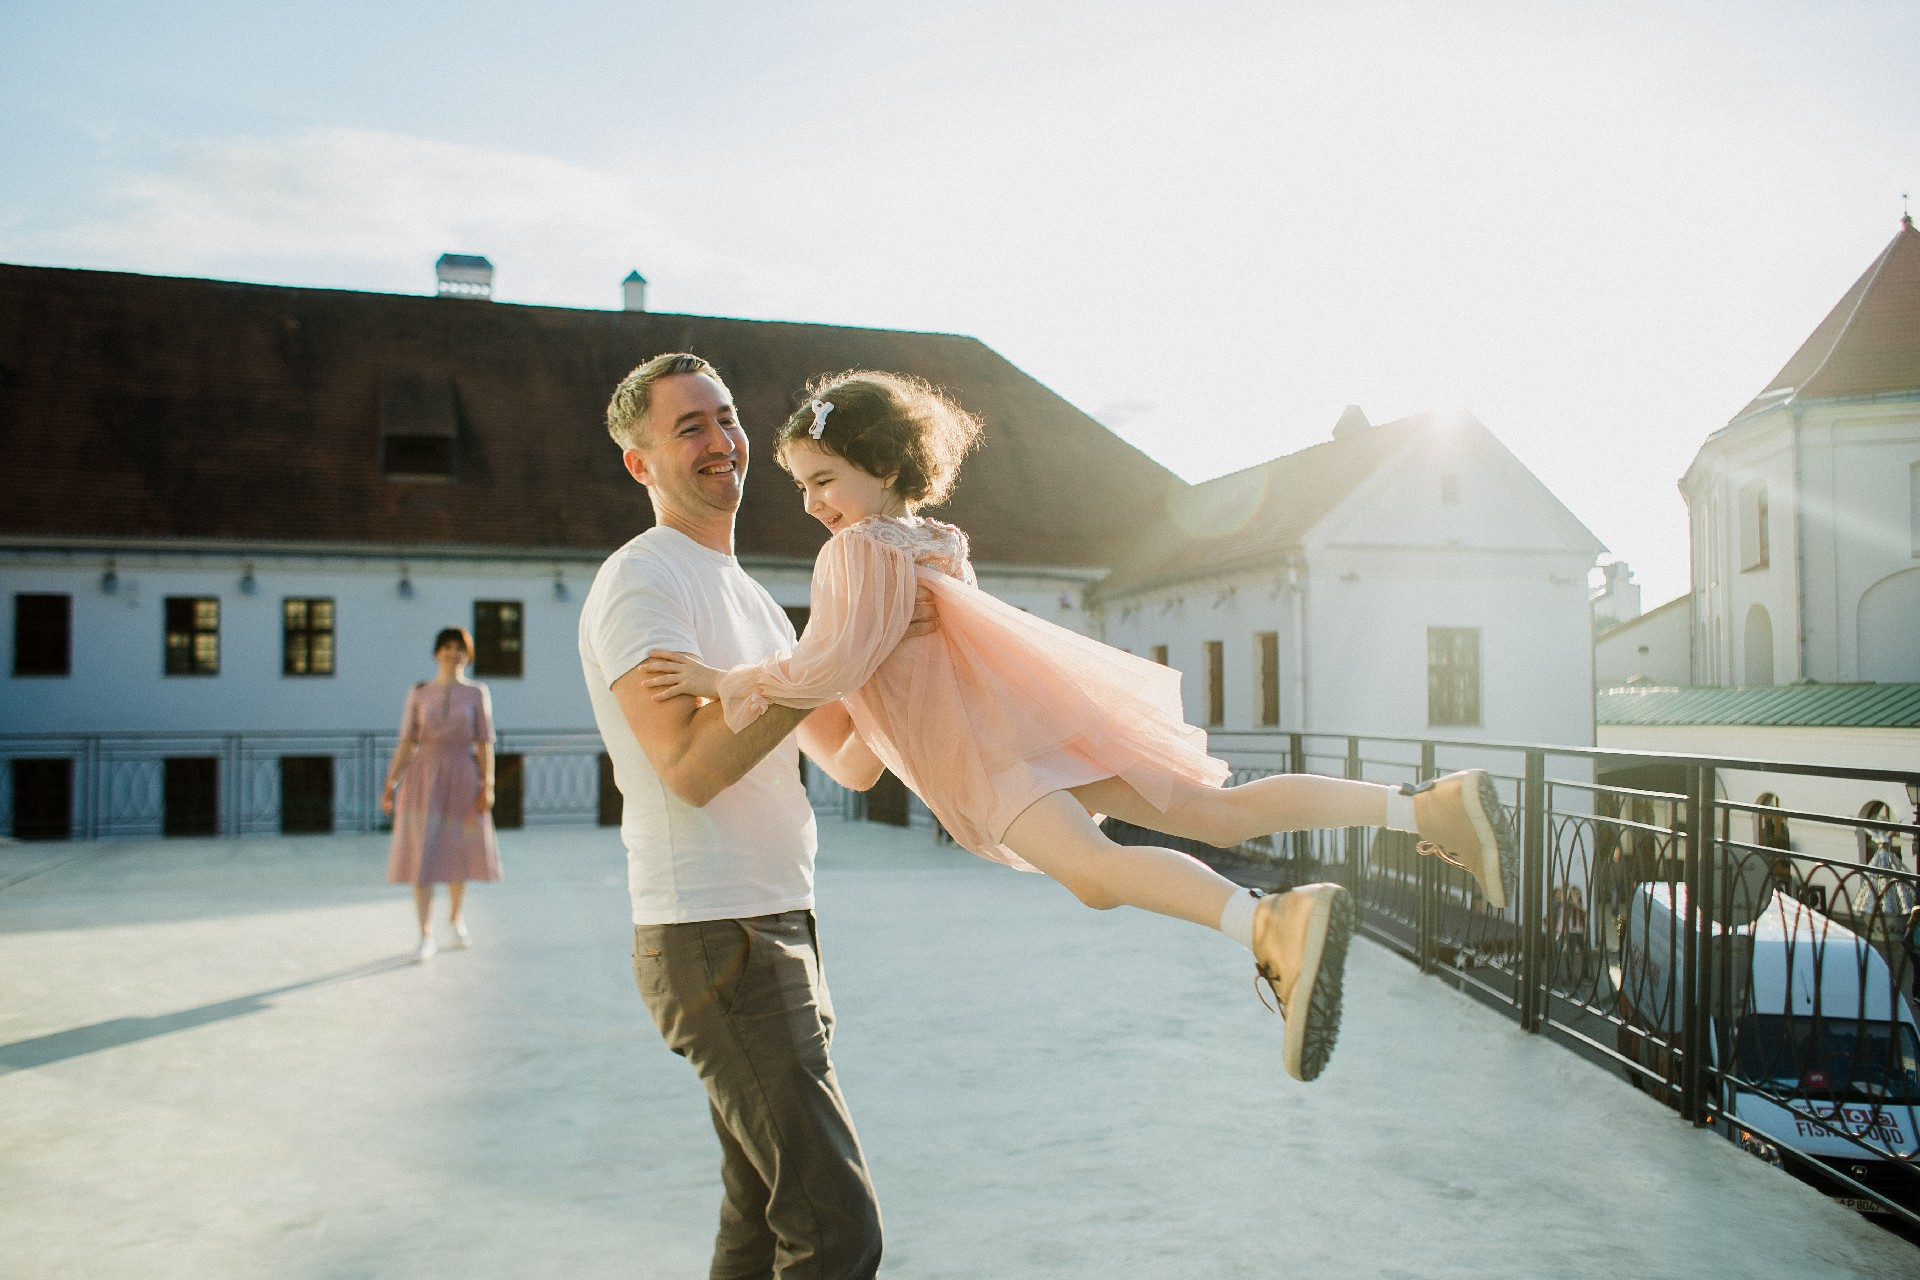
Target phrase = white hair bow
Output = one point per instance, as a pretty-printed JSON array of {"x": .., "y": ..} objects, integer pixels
[{"x": 821, "y": 408}]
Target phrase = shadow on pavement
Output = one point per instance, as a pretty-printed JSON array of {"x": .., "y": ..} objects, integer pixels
[{"x": 76, "y": 1042}]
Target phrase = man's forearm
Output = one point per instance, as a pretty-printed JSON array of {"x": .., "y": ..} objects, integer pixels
[{"x": 714, "y": 757}]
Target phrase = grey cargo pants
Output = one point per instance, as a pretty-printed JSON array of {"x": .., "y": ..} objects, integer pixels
[{"x": 745, "y": 1002}]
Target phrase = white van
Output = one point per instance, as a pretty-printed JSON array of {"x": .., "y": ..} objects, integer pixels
[{"x": 1816, "y": 1018}]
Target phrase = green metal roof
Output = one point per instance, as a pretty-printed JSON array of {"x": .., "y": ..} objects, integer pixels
[{"x": 1862, "y": 706}]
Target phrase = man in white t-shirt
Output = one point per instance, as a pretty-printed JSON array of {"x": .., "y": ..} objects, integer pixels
[{"x": 720, "y": 840}]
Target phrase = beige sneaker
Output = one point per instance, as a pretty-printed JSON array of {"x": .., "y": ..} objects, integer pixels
[
  {"x": 1462, "y": 821},
  {"x": 1300, "y": 946}
]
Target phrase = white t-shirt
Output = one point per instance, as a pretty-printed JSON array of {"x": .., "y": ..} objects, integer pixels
[{"x": 749, "y": 852}]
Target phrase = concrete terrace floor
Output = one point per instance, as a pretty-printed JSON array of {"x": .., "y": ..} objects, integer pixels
[{"x": 214, "y": 1062}]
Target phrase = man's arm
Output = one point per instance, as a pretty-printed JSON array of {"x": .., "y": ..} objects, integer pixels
[
  {"x": 691, "y": 748},
  {"x": 829, "y": 739}
]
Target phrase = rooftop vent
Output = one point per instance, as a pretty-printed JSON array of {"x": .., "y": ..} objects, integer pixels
[
  {"x": 464, "y": 275},
  {"x": 633, "y": 291}
]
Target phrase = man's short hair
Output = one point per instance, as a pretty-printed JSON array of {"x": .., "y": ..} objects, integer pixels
[{"x": 627, "y": 411}]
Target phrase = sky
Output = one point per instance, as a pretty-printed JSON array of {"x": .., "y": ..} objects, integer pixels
[{"x": 1598, "y": 228}]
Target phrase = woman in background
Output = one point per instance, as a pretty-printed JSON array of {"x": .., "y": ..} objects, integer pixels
[{"x": 439, "y": 790}]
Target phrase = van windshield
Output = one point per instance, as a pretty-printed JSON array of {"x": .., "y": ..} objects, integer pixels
[{"x": 1854, "y": 1060}]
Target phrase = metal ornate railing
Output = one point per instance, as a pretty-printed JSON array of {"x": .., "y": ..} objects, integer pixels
[
  {"x": 91, "y": 786},
  {"x": 1751, "y": 966}
]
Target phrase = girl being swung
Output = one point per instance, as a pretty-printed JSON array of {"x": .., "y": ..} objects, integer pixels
[{"x": 1015, "y": 732}]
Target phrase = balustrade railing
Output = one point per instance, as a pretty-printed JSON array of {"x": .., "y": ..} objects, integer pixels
[
  {"x": 92, "y": 786},
  {"x": 1752, "y": 966}
]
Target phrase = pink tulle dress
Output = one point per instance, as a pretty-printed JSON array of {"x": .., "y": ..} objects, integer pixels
[{"x": 989, "y": 713}]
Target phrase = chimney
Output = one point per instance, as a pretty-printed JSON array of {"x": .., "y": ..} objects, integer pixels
[
  {"x": 1350, "y": 421},
  {"x": 633, "y": 291},
  {"x": 464, "y": 275}
]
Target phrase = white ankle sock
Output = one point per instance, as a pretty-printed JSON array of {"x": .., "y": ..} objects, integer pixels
[
  {"x": 1236, "y": 918},
  {"x": 1400, "y": 812}
]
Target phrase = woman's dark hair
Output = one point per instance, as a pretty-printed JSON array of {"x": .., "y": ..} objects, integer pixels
[
  {"x": 447, "y": 635},
  {"x": 887, "y": 424}
]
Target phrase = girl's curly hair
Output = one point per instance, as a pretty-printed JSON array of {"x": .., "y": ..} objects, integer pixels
[{"x": 887, "y": 424}]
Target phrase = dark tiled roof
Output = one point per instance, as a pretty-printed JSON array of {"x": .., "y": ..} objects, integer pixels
[
  {"x": 152, "y": 407},
  {"x": 1866, "y": 706},
  {"x": 1251, "y": 516},
  {"x": 1869, "y": 344}
]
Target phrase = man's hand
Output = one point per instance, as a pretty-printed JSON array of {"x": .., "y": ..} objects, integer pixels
[
  {"x": 926, "y": 615},
  {"x": 679, "y": 675}
]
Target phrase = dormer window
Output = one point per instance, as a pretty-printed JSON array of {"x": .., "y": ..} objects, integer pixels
[{"x": 419, "y": 426}]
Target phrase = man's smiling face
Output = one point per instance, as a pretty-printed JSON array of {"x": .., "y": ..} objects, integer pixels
[{"x": 692, "y": 454}]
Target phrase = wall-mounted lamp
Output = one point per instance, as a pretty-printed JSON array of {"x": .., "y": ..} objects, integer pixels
[
  {"x": 109, "y": 581},
  {"x": 560, "y": 585},
  {"x": 1225, "y": 596},
  {"x": 1913, "y": 798},
  {"x": 406, "y": 584},
  {"x": 1066, "y": 599},
  {"x": 247, "y": 584}
]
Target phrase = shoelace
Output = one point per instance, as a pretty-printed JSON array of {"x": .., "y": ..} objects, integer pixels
[
  {"x": 1260, "y": 988},
  {"x": 1427, "y": 848}
]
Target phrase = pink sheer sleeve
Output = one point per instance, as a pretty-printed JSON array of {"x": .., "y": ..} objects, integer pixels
[
  {"x": 483, "y": 716},
  {"x": 410, "y": 718},
  {"x": 862, "y": 601}
]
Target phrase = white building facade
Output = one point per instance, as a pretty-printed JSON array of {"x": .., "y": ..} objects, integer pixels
[
  {"x": 226, "y": 548},
  {"x": 1805, "y": 508},
  {"x": 1408, "y": 579},
  {"x": 1799, "y": 641}
]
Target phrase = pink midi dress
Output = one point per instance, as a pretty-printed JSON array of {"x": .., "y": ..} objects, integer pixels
[
  {"x": 440, "y": 833},
  {"x": 990, "y": 712}
]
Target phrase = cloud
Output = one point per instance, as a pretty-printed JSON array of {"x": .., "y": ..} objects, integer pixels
[{"x": 372, "y": 209}]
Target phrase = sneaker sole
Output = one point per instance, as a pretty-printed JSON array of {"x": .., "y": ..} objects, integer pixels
[
  {"x": 1489, "y": 819},
  {"x": 1317, "y": 992}
]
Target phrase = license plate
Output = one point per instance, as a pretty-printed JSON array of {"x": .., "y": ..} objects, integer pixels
[{"x": 1860, "y": 1205}]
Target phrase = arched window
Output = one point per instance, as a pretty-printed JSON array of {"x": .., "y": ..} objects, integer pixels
[
  {"x": 1759, "y": 664},
  {"x": 1872, "y": 842},
  {"x": 1769, "y": 832}
]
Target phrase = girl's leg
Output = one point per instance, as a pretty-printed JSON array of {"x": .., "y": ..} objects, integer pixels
[
  {"x": 1057, "y": 835},
  {"x": 423, "y": 905},
  {"x": 1299, "y": 939},
  {"x": 1225, "y": 816},
  {"x": 1459, "y": 816}
]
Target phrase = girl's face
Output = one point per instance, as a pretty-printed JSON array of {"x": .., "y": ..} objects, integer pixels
[
  {"x": 837, "y": 493},
  {"x": 453, "y": 654}
]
